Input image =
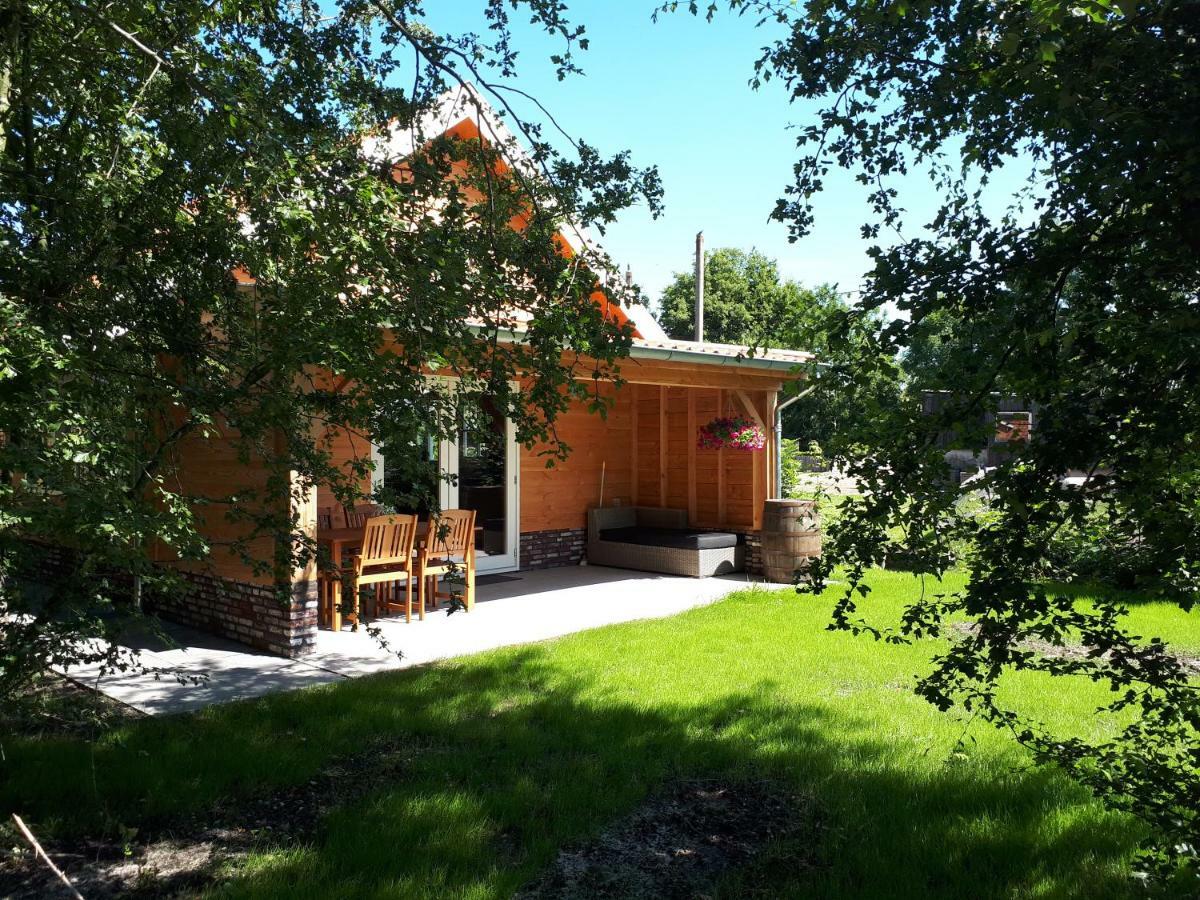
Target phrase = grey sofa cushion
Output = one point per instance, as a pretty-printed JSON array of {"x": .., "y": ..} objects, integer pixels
[{"x": 670, "y": 537}]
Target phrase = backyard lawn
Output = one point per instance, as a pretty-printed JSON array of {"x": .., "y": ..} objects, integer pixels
[{"x": 490, "y": 765}]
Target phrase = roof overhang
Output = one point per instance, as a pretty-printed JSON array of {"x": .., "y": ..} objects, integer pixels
[
  {"x": 780, "y": 362},
  {"x": 694, "y": 352}
]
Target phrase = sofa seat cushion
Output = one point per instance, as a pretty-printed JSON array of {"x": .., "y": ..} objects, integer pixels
[{"x": 678, "y": 538}]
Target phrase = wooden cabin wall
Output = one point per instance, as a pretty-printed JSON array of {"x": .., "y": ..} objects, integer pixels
[
  {"x": 728, "y": 487},
  {"x": 208, "y": 468},
  {"x": 559, "y": 497},
  {"x": 345, "y": 447}
]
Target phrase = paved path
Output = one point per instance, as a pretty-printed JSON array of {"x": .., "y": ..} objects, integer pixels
[{"x": 512, "y": 609}]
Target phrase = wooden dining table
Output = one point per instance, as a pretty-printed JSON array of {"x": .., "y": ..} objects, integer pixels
[
  {"x": 343, "y": 539},
  {"x": 340, "y": 540}
]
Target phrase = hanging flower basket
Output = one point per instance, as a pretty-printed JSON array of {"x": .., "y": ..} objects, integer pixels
[{"x": 731, "y": 434}]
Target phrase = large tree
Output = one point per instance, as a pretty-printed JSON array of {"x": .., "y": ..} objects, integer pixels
[
  {"x": 746, "y": 301},
  {"x": 154, "y": 157},
  {"x": 1089, "y": 282}
]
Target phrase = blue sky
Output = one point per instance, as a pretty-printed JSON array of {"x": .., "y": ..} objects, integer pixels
[{"x": 675, "y": 93}]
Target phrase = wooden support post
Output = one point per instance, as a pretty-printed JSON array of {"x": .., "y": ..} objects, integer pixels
[
  {"x": 662, "y": 445},
  {"x": 691, "y": 454},
  {"x": 634, "y": 437},
  {"x": 721, "y": 499}
]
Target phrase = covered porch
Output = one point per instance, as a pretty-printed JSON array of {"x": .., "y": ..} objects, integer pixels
[
  {"x": 643, "y": 452},
  {"x": 512, "y": 609},
  {"x": 529, "y": 517}
]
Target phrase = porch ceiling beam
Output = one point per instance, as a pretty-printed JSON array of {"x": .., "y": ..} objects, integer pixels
[
  {"x": 684, "y": 375},
  {"x": 751, "y": 410}
]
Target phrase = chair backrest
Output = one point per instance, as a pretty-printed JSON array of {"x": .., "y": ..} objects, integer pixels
[
  {"x": 324, "y": 518},
  {"x": 356, "y": 516},
  {"x": 388, "y": 540},
  {"x": 451, "y": 533}
]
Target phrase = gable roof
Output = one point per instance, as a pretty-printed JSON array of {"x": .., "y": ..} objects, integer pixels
[
  {"x": 463, "y": 110},
  {"x": 464, "y": 105}
]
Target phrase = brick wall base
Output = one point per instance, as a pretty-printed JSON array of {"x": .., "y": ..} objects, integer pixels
[
  {"x": 251, "y": 614},
  {"x": 753, "y": 541},
  {"x": 549, "y": 549}
]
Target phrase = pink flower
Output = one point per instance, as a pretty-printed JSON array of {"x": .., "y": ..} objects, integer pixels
[{"x": 731, "y": 433}]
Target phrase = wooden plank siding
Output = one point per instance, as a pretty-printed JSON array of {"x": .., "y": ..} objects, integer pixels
[
  {"x": 346, "y": 448},
  {"x": 648, "y": 449},
  {"x": 209, "y": 469},
  {"x": 560, "y": 496}
]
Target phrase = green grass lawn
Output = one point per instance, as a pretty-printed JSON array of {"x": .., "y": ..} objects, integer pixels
[{"x": 521, "y": 752}]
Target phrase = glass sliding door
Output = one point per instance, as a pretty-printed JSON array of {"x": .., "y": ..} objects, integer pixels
[
  {"x": 485, "y": 461},
  {"x": 406, "y": 473},
  {"x": 479, "y": 470}
]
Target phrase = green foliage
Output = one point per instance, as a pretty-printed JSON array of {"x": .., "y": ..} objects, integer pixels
[
  {"x": 147, "y": 153},
  {"x": 1081, "y": 293},
  {"x": 1101, "y": 549},
  {"x": 945, "y": 351},
  {"x": 747, "y": 302},
  {"x": 789, "y": 466}
]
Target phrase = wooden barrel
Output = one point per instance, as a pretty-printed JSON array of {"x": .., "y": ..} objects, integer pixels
[{"x": 791, "y": 536}]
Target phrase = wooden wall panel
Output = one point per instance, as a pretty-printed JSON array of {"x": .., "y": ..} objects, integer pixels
[
  {"x": 717, "y": 487},
  {"x": 208, "y": 468},
  {"x": 677, "y": 450},
  {"x": 559, "y": 497},
  {"x": 345, "y": 447},
  {"x": 708, "y": 462},
  {"x": 649, "y": 457}
]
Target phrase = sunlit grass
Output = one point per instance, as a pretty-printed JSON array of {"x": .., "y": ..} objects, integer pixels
[{"x": 520, "y": 752}]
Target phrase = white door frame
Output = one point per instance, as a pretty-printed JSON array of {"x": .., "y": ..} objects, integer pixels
[
  {"x": 448, "y": 494},
  {"x": 504, "y": 562}
]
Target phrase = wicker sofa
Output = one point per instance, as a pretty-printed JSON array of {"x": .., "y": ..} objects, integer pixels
[{"x": 659, "y": 540}]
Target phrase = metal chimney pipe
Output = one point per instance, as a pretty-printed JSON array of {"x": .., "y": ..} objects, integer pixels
[{"x": 700, "y": 287}]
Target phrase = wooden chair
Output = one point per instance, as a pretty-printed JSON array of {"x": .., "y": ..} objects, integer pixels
[
  {"x": 325, "y": 611},
  {"x": 449, "y": 547},
  {"x": 357, "y": 516},
  {"x": 386, "y": 556}
]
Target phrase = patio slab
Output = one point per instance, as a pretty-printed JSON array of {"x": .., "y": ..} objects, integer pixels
[
  {"x": 512, "y": 609},
  {"x": 228, "y": 671},
  {"x": 520, "y": 609}
]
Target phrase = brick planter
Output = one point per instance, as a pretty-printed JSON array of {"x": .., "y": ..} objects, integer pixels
[{"x": 250, "y": 614}]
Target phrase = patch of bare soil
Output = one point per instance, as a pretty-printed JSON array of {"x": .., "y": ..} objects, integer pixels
[
  {"x": 1074, "y": 651},
  {"x": 181, "y": 857},
  {"x": 678, "y": 844}
]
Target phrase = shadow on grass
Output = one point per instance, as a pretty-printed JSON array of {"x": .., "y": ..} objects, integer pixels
[{"x": 523, "y": 758}]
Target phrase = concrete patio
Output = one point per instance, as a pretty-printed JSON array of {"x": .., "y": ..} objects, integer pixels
[{"x": 511, "y": 609}]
